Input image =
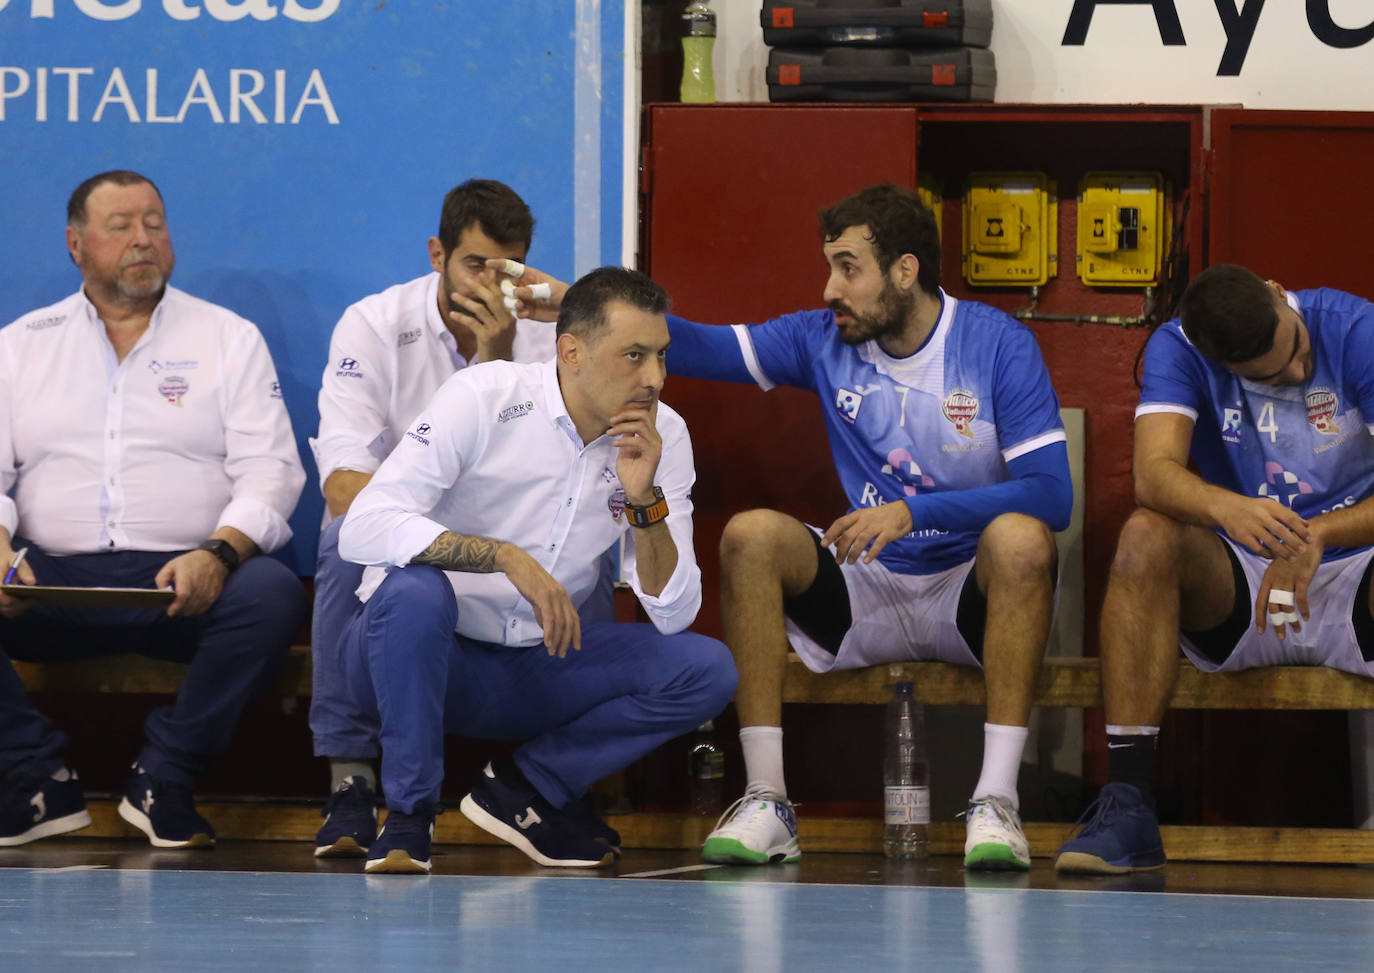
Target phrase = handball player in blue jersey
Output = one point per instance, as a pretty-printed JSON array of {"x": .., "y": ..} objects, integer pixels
[
  {"x": 1259, "y": 556},
  {"x": 946, "y": 437}
]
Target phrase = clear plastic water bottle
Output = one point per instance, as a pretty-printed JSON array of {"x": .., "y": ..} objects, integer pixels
[
  {"x": 698, "y": 49},
  {"x": 706, "y": 771},
  {"x": 906, "y": 778}
]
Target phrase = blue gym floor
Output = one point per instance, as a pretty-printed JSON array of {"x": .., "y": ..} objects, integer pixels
[{"x": 149, "y": 914}]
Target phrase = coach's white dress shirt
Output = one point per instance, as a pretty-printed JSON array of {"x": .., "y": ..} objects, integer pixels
[
  {"x": 495, "y": 454},
  {"x": 389, "y": 354},
  {"x": 186, "y": 435}
]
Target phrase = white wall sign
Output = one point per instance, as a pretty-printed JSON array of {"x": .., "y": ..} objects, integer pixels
[{"x": 1258, "y": 53}]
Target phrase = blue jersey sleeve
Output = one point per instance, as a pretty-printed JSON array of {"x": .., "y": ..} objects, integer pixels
[
  {"x": 1358, "y": 362},
  {"x": 779, "y": 351},
  {"x": 1173, "y": 373},
  {"x": 1040, "y": 487}
]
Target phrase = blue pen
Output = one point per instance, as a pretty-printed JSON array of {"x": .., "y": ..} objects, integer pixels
[{"x": 17, "y": 560}]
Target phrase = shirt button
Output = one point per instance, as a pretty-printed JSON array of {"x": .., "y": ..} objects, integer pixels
[
  {"x": 109, "y": 523},
  {"x": 112, "y": 434},
  {"x": 112, "y": 479}
]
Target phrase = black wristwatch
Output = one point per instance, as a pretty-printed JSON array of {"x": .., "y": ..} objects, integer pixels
[
  {"x": 223, "y": 550},
  {"x": 648, "y": 515}
]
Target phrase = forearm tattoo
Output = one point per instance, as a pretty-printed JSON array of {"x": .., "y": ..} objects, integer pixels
[{"x": 460, "y": 552}]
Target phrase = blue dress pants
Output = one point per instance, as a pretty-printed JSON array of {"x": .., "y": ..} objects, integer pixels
[
  {"x": 234, "y": 649},
  {"x": 339, "y": 727},
  {"x": 629, "y": 689}
]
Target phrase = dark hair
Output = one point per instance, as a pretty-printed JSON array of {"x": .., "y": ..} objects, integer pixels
[
  {"x": 496, "y": 209},
  {"x": 583, "y": 309},
  {"x": 76, "y": 203},
  {"x": 1230, "y": 314},
  {"x": 898, "y": 222}
]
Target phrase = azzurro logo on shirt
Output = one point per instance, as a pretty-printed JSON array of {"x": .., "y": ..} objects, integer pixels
[{"x": 515, "y": 411}]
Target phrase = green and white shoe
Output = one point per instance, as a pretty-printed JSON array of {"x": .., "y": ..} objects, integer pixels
[
  {"x": 995, "y": 841},
  {"x": 759, "y": 828}
]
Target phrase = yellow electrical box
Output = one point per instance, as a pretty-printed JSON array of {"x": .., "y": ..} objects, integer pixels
[
  {"x": 928, "y": 188},
  {"x": 1010, "y": 229},
  {"x": 1123, "y": 228}
]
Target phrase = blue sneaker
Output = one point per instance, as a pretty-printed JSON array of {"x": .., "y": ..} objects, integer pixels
[
  {"x": 350, "y": 821},
  {"x": 1119, "y": 833},
  {"x": 402, "y": 846},
  {"x": 165, "y": 811},
  {"x": 582, "y": 813},
  {"x": 33, "y": 808},
  {"x": 506, "y": 805}
]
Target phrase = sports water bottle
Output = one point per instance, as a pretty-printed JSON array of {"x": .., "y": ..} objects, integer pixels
[
  {"x": 706, "y": 771},
  {"x": 906, "y": 778},
  {"x": 698, "y": 47}
]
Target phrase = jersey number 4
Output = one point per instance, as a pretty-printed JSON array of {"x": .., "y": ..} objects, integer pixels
[{"x": 1267, "y": 423}]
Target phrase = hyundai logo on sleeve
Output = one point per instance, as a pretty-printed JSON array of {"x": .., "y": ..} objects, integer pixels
[{"x": 348, "y": 368}]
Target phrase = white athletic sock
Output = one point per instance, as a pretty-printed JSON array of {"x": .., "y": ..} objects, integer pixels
[
  {"x": 1131, "y": 731},
  {"x": 763, "y": 759},
  {"x": 1002, "y": 746}
]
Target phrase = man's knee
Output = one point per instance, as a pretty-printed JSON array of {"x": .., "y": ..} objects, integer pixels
[
  {"x": 1149, "y": 546},
  {"x": 1018, "y": 547},
  {"x": 711, "y": 670},
  {"x": 269, "y": 592},
  {"x": 417, "y": 592}
]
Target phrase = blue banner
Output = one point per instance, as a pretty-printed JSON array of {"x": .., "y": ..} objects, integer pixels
[{"x": 303, "y": 148}]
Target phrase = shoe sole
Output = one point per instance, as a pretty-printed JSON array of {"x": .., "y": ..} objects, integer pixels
[
  {"x": 1084, "y": 864},
  {"x": 397, "y": 862},
  {"x": 993, "y": 857},
  {"x": 140, "y": 821},
  {"x": 47, "y": 829},
  {"x": 493, "y": 825},
  {"x": 731, "y": 851},
  {"x": 345, "y": 847}
]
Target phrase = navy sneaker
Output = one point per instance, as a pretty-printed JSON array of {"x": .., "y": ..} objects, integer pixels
[
  {"x": 165, "y": 811},
  {"x": 350, "y": 821},
  {"x": 582, "y": 813},
  {"x": 402, "y": 846},
  {"x": 1119, "y": 833},
  {"x": 33, "y": 808},
  {"x": 503, "y": 803}
]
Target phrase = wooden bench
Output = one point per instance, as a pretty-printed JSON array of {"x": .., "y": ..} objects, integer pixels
[{"x": 1063, "y": 682}]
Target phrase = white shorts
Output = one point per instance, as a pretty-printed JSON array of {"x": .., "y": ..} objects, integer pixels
[
  {"x": 1326, "y": 639},
  {"x": 896, "y": 618}
]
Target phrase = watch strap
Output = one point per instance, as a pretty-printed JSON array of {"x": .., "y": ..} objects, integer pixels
[
  {"x": 649, "y": 515},
  {"x": 223, "y": 550}
]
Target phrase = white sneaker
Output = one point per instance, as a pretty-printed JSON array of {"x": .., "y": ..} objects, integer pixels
[
  {"x": 759, "y": 828},
  {"x": 995, "y": 841}
]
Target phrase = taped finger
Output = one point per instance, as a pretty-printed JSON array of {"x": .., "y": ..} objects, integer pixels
[
  {"x": 541, "y": 291},
  {"x": 1283, "y": 618},
  {"x": 1281, "y": 597},
  {"x": 513, "y": 268}
]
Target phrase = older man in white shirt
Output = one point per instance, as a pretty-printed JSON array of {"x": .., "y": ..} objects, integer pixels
[
  {"x": 484, "y": 528},
  {"x": 144, "y": 437},
  {"x": 389, "y": 354}
]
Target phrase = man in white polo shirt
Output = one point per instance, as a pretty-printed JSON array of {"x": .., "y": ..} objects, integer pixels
[
  {"x": 389, "y": 353},
  {"x": 485, "y": 527},
  {"x": 144, "y": 438}
]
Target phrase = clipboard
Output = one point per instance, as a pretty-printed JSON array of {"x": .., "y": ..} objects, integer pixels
[{"x": 92, "y": 597}]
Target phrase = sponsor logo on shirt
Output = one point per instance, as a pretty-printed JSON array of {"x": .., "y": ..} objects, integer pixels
[
  {"x": 848, "y": 402},
  {"x": 515, "y": 411},
  {"x": 1230, "y": 425},
  {"x": 1282, "y": 485},
  {"x": 173, "y": 388},
  {"x": 275, "y": 391},
  {"x": 907, "y": 471},
  {"x": 1322, "y": 406},
  {"x": 348, "y": 368},
  {"x": 960, "y": 407},
  {"x": 44, "y": 323},
  {"x": 616, "y": 504},
  {"x": 409, "y": 337},
  {"x": 182, "y": 366},
  {"x": 608, "y": 474},
  {"x": 419, "y": 433},
  {"x": 155, "y": 366}
]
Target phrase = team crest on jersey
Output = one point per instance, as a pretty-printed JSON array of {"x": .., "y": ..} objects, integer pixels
[
  {"x": 960, "y": 407},
  {"x": 1230, "y": 426},
  {"x": 173, "y": 388},
  {"x": 1282, "y": 485},
  {"x": 848, "y": 403},
  {"x": 1322, "y": 406},
  {"x": 616, "y": 504},
  {"x": 608, "y": 474},
  {"x": 907, "y": 471}
]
